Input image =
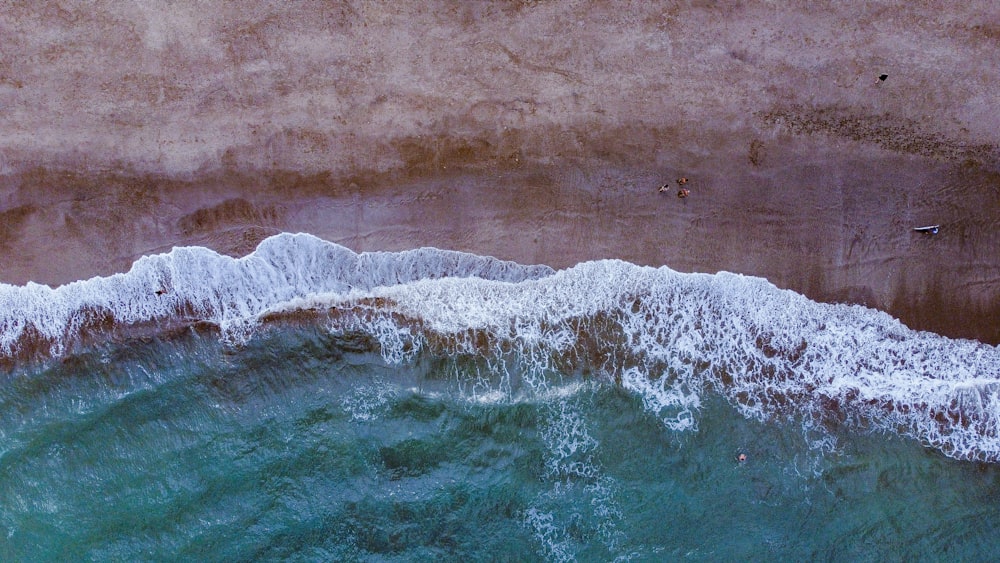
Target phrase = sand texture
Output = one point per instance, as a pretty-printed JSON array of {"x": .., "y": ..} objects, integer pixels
[{"x": 537, "y": 131}]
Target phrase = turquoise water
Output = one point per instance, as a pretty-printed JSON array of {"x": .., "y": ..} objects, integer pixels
[
  {"x": 307, "y": 445},
  {"x": 310, "y": 403}
]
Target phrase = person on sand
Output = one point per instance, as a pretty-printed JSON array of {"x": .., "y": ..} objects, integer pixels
[
  {"x": 682, "y": 181},
  {"x": 683, "y": 193},
  {"x": 664, "y": 188}
]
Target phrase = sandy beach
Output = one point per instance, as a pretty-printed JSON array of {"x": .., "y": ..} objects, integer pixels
[{"x": 535, "y": 131}]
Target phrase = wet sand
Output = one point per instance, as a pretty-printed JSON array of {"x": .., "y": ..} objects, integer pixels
[{"x": 531, "y": 131}]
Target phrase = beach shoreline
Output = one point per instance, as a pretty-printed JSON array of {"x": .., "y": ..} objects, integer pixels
[
  {"x": 532, "y": 132},
  {"x": 558, "y": 216}
]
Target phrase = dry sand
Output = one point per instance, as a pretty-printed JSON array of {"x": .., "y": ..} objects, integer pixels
[{"x": 537, "y": 131}]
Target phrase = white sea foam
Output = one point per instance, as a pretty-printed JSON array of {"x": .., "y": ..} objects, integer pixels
[
  {"x": 573, "y": 471},
  {"x": 668, "y": 337},
  {"x": 774, "y": 354},
  {"x": 366, "y": 402},
  {"x": 197, "y": 284},
  {"x": 553, "y": 538}
]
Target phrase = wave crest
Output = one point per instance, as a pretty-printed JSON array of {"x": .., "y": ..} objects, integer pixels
[
  {"x": 666, "y": 336},
  {"x": 194, "y": 284},
  {"x": 671, "y": 337}
]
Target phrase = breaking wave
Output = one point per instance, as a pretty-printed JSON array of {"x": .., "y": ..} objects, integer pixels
[
  {"x": 668, "y": 337},
  {"x": 194, "y": 284}
]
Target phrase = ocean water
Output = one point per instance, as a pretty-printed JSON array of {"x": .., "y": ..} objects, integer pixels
[{"x": 309, "y": 403}]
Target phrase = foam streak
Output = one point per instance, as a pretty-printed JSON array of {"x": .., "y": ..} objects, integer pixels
[{"x": 669, "y": 337}]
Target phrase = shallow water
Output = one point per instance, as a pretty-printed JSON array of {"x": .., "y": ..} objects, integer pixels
[
  {"x": 308, "y": 445},
  {"x": 308, "y": 403}
]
